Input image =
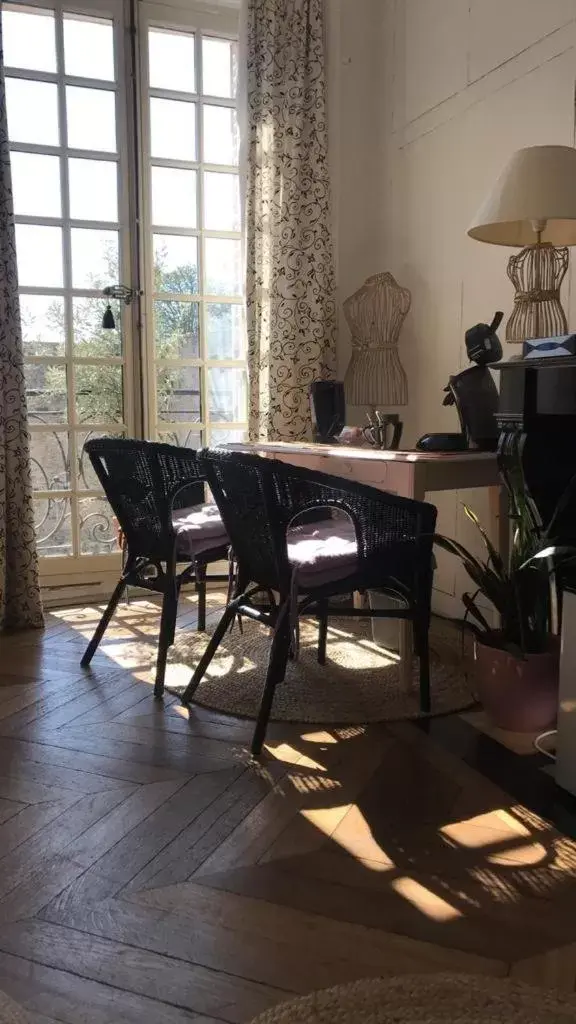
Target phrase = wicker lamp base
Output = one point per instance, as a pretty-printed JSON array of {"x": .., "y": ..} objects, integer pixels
[{"x": 537, "y": 273}]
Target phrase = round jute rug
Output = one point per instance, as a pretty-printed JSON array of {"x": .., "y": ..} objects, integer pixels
[
  {"x": 360, "y": 682},
  {"x": 11, "y": 1012},
  {"x": 428, "y": 999}
]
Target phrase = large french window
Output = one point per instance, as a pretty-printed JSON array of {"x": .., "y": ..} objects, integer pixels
[{"x": 124, "y": 149}]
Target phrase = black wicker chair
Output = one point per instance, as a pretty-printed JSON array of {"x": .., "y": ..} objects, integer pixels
[
  {"x": 157, "y": 494},
  {"x": 387, "y": 546}
]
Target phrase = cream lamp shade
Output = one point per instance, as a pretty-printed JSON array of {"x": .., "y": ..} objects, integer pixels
[
  {"x": 537, "y": 186},
  {"x": 533, "y": 206}
]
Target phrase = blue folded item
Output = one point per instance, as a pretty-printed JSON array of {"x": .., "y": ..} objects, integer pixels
[{"x": 564, "y": 345}]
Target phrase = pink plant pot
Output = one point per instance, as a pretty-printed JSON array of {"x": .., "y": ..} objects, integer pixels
[{"x": 518, "y": 694}]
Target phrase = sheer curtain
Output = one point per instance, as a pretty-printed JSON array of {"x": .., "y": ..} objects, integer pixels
[
  {"x": 290, "y": 282},
  {"x": 20, "y": 605}
]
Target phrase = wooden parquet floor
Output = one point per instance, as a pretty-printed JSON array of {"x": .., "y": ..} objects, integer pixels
[{"x": 151, "y": 872}]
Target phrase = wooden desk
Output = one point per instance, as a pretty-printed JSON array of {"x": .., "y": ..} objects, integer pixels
[{"x": 409, "y": 473}]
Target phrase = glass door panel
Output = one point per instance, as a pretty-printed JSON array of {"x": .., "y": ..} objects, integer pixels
[
  {"x": 66, "y": 127},
  {"x": 92, "y": 161},
  {"x": 193, "y": 267}
]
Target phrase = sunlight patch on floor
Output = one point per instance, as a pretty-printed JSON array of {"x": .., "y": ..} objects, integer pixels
[
  {"x": 288, "y": 754},
  {"x": 424, "y": 900}
]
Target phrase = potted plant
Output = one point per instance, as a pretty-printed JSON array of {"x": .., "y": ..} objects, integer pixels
[{"x": 517, "y": 664}]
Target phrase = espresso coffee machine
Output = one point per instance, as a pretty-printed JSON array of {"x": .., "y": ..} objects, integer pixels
[{"x": 474, "y": 394}]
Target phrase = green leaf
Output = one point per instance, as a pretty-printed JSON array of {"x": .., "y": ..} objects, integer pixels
[
  {"x": 553, "y": 551},
  {"x": 471, "y": 606},
  {"x": 493, "y": 554}
]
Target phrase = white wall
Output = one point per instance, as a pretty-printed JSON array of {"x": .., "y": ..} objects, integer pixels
[{"x": 357, "y": 132}]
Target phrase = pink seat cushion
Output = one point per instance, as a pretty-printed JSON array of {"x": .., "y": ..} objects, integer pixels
[
  {"x": 323, "y": 552},
  {"x": 198, "y": 529}
]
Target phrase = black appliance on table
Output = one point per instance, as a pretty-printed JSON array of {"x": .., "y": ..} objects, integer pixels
[{"x": 474, "y": 394}]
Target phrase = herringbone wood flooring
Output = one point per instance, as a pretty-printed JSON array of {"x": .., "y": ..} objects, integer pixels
[{"x": 149, "y": 871}]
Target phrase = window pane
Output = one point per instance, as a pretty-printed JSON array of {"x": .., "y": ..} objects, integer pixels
[
  {"x": 43, "y": 325},
  {"x": 46, "y": 393},
  {"x": 99, "y": 393},
  {"x": 221, "y": 136},
  {"x": 219, "y": 67},
  {"x": 224, "y": 331},
  {"x": 32, "y": 109},
  {"x": 171, "y": 60},
  {"x": 223, "y": 271},
  {"x": 221, "y": 201},
  {"x": 93, "y": 189},
  {"x": 185, "y": 438},
  {"x": 98, "y": 531},
  {"x": 220, "y": 436},
  {"x": 227, "y": 394},
  {"x": 39, "y": 251},
  {"x": 49, "y": 463},
  {"x": 86, "y": 478},
  {"x": 178, "y": 393},
  {"x": 90, "y": 339},
  {"x": 36, "y": 185},
  {"x": 53, "y": 527},
  {"x": 29, "y": 40},
  {"x": 172, "y": 129},
  {"x": 176, "y": 330},
  {"x": 176, "y": 264},
  {"x": 173, "y": 197},
  {"x": 91, "y": 119},
  {"x": 88, "y": 48},
  {"x": 94, "y": 258}
]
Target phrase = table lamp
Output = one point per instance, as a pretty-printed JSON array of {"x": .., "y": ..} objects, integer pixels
[{"x": 533, "y": 206}]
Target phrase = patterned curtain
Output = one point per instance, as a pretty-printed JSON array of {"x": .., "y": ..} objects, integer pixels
[
  {"x": 290, "y": 280},
  {"x": 20, "y": 605}
]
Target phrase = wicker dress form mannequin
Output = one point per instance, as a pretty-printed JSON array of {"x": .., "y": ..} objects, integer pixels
[{"x": 375, "y": 313}]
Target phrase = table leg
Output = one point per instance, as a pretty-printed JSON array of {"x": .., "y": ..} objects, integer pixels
[
  {"x": 418, "y": 492},
  {"x": 498, "y": 497}
]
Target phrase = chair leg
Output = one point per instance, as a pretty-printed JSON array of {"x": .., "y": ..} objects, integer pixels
[
  {"x": 279, "y": 653},
  {"x": 167, "y": 629},
  {"x": 201, "y": 591},
  {"x": 172, "y": 633},
  {"x": 215, "y": 640},
  {"x": 104, "y": 622},
  {"x": 322, "y": 633},
  {"x": 421, "y": 635}
]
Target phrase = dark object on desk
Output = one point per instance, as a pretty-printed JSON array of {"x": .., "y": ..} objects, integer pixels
[
  {"x": 550, "y": 348},
  {"x": 328, "y": 408},
  {"x": 442, "y": 443},
  {"x": 384, "y": 431},
  {"x": 474, "y": 394}
]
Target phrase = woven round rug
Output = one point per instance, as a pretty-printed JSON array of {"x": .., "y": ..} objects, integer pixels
[
  {"x": 11, "y": 1012},
  {"x": 359, "y": 683},
  {"x": 428, "y": 999}
]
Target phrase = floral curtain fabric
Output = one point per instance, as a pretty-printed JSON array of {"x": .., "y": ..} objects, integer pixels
[
  {"x": 290, "y": 279},
  {"x": 20, "y": 605}
]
